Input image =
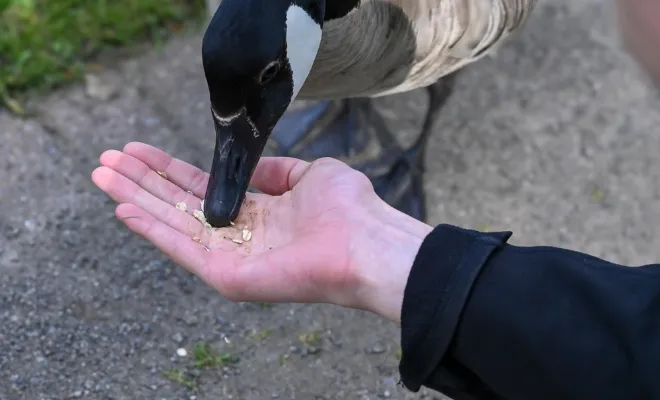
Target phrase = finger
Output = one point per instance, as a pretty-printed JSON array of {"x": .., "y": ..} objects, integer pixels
[
  {"x": 179, "y": 172},
  {"x": 177, "y": 246},
  {"x": 277, "y": 175},
  {"x": 140, "y": 173},
  {"x": 123, "y": 190}
]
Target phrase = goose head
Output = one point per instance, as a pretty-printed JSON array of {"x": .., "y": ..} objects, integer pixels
[{"x": 256, "y": 56}]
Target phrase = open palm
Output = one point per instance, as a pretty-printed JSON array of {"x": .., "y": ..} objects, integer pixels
[{"x": 307, "y": 229}]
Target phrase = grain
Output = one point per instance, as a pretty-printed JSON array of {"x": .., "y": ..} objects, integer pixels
[
  {"x": 247, "y": 234},
  {"x": 197, "y": 239},
  {"x": 199, "y": 216}
]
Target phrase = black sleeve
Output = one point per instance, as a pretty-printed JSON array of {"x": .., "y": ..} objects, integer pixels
[{"x": 483, "y": 319}]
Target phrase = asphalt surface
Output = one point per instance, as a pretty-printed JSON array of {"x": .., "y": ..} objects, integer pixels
[{"x": 554, "y": 139}]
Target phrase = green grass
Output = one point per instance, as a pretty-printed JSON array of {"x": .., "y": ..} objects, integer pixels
[
  {"x": 45, "y": 43},
  {"x": 398, "y": 353},
  {"x": 181, "y": 378},
  {"x": 205, "y": 356},
  {"x": 597, "y": 195},
  {"x": 310, "y": 339}
]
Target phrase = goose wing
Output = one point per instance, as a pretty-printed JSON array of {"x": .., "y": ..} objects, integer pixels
[{"x": 390, "y": 46}]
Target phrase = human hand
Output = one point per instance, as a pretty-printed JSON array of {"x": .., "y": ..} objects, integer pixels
[{"x": 320, "y": 234}]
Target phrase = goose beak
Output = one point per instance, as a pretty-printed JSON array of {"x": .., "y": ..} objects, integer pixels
[{"x": 238, "y": 147}]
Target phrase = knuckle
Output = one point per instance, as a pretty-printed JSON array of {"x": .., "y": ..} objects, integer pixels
[{"x": 198, "y": 180}]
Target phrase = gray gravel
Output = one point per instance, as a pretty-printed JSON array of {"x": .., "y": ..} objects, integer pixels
[{"x": 555, "y": 139}]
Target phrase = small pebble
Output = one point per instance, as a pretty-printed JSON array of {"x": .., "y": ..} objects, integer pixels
[
  {"x": 181, "y": 352},
  {"x": 190, "y": 319},
  {"x": 377, "y": 349},
  {"x": 182, "y": 206},
  {"x": 100, "y": 89},
  {"x": 11, "y": 232},
  {"x": 177, "y": 338},
  {"x": 29, "y": 224},
  {"x": 71, "y": 238}
]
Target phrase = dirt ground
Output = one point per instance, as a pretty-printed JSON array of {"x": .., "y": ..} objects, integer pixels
[{"x": 556, "y": 139}]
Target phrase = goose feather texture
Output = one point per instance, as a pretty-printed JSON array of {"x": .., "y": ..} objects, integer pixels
[{"x": 385, "y": 47}]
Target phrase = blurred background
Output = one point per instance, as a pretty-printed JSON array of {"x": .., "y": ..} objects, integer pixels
[
  {"x": 45, "y": 44},
  {"x": 555, "y": 138}
]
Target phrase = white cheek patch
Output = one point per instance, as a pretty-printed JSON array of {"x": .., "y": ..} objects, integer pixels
[{"x": 303, "y": 38}]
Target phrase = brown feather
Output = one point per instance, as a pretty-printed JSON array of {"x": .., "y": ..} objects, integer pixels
[{"x": 393, "y": 46}]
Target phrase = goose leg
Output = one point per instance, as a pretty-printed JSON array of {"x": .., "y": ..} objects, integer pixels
[
  {"x": 398, "y": 177},
  {"x": 352, "y": 130}
]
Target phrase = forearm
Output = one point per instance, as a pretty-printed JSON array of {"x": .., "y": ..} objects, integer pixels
[{"x": 483, "y": 319}]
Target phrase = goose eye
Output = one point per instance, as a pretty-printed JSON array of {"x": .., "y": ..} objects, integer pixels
[{"x": 269, "y": 72}]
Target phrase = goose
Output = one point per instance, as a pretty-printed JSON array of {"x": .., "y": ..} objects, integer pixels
[{"x": 259, "y": 56}]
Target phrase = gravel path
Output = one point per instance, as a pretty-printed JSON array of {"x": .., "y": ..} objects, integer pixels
[{"x": 554, "y": 139}]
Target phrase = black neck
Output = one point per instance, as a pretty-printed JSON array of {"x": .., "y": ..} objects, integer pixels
[
  {"x": 335, "y": 9},
  {"x": 327, "y": 10}
]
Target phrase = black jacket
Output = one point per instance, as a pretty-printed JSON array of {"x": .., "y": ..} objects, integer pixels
[{"x": 483, "y": 319}]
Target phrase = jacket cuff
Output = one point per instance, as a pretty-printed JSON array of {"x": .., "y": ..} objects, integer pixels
[{"x": 445, "y": 268}]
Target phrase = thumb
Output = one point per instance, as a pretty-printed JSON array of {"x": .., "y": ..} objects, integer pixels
[{"x": 278, "y": 175}]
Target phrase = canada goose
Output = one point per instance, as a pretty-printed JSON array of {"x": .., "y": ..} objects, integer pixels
[{"x": 260, "y": 55}]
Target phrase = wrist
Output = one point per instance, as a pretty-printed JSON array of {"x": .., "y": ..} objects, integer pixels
[{"x": 392, "y": 242}]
